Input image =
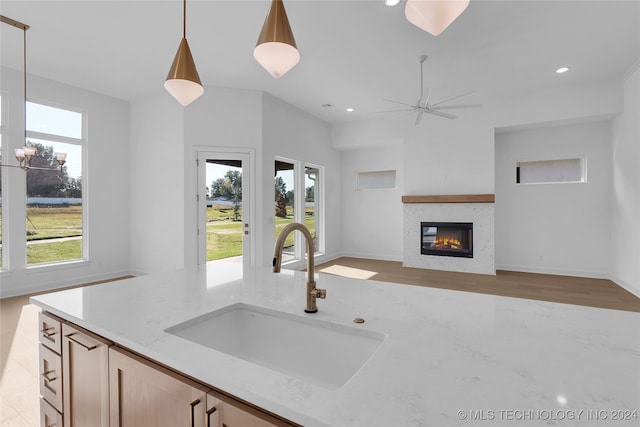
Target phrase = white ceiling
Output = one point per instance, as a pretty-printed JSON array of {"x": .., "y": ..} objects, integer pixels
[{"x": 354, "y": 53}]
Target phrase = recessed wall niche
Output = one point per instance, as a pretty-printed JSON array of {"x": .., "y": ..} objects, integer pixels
[{"x": 376, "y": 180}]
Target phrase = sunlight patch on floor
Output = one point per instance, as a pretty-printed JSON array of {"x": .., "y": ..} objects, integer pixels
[{"x": 353, "y": 273}]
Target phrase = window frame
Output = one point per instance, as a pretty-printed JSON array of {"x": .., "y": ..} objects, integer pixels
[
  {"x": 299, "y": 213},
  {"x": 4, "y": 117},
  {"x": 82, "y": 142},
  {"x": 583, "y": 170}
]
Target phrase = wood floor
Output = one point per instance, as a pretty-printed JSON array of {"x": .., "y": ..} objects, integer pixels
[{"x": 562, "y": 289}]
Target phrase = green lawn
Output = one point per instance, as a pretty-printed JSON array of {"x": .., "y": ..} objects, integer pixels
[
  {"x": 54, "y": 251},
  {"x": 224, "y": 236},
  {"x": 45, "y": 223}
]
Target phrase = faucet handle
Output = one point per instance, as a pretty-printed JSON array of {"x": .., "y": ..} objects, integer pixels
[{"x": 319, "y": 293}]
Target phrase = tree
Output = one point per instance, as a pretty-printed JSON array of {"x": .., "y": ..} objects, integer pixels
[
  {"x": 310, "y": 193},
  {"x": 281, "y": 186},
  {"x": 281, "y": 206},
  {"x": 228, "y": 187},
  {"x": 44, "y": 183},
  {"x": 73, "y": 188},
  {"x": 289, "y": 197}
]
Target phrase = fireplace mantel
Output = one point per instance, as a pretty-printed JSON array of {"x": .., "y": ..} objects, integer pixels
[{"x": 453, "y": 198}]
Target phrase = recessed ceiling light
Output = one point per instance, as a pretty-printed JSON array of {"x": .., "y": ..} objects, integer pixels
[
  {"x": 562, "y": 70},
  {"x": 392, "y": 3},
  {"x": 350, "y": 110}
]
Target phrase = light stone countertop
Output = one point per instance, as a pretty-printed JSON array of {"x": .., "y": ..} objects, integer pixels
[{"x": 450, "y": 358}]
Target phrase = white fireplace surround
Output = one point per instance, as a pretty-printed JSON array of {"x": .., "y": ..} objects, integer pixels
[{"x": 480, "y": 214}]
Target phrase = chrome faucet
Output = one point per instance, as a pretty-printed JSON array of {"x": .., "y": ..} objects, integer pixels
[{"x": 312, "y": 291}]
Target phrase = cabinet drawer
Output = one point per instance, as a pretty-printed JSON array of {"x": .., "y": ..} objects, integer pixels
[
  {"x": 49, "y": 417},
  {"x": 50, "y": 331},
  {"x": 51, "y": 377}
]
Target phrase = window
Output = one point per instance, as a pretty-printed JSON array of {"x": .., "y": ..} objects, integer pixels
[
  {"x": 3, "y": 110},
  {"x": 55, "y": 208},
  {"x": 551, "y": 171},
  {"x": 376, "y": 180},
  {"x": 285, "y": 203},
  {"x": 301, "y": 203},
  {"x": 312, "y": 206}
]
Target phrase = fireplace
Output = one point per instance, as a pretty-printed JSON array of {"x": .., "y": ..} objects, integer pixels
[{"x": 454, "y": 239}]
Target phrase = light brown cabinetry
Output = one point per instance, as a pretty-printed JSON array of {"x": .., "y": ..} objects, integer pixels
[
  {"x": 74, "y": 375},
  {"x": 146, "y": 395},
  {"x": 85, "y": 373},
  {"x": 86, "y": 381},
  {"x": 50, "y": 370},
  {"x": 225, "y": 413}
]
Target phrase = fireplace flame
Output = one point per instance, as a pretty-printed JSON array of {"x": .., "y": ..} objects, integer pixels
[{"x": 447, "y": 243}]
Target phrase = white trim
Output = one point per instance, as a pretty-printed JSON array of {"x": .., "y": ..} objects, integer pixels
[
  {"x": 371, "y": 256},
  {"x": 627, "y": 286},
  {"x": 553, "y": 271},
  {"x": 201, "y": 152}
]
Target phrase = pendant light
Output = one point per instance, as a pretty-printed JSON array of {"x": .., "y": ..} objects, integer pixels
[
  {"x": 183, "y": 82},
  {"x": 276, "y": 49},
  {"x": 434, "y": 16}
]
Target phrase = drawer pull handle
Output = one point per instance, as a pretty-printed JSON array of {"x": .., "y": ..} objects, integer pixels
[
  {"x": 209, "y": 412},
  {"x": 47, "y": 378},
  {"x": 48, "y": 332},
  {"x": 193, "y": 409},
  {"x": 87, "y": 347}
]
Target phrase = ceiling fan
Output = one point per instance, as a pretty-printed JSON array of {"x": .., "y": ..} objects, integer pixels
[{"x": 423, "y": 106}]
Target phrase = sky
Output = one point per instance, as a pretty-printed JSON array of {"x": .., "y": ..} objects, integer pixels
[{"x": 68, "y": 124}]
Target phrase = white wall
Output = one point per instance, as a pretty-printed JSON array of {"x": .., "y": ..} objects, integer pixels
[
  {"x": 457, "y": 156},
  {"x": 625, "y": 197},
  {"x": 554, "y": 228},
  {"x": 375, "y": 223},
  {"x": 222, "y": 118},
  {"x": 292, "y": 133},
  {"x": 157, "y": 182},
  {"x": 106, "y": 187}
]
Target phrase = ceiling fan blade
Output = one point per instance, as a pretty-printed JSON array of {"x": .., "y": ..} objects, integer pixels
[
  {"x": 390, "y": 111},
  {"x": 451, "y": 107},
  {"x": 401, "y": 103},
  {"x": 438, "y": 113},
  {"x": 451, "y": 99},
  {"x": 426, "y": 101},
  {"x": 419, "y": 117}
]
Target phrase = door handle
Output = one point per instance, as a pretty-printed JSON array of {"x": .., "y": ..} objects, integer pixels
[
  {"x": 88, "y": 347},
  {"x": 193, "y": 409},
  {"x": 209, "y": 412}
]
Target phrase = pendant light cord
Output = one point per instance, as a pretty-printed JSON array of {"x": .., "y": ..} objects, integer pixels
[
  {"x": 24, "y": 28},
  {"x": 184, "y": 19}
]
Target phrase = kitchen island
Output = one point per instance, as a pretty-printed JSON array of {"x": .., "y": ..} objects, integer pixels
[{"x": 449, "y": 358}]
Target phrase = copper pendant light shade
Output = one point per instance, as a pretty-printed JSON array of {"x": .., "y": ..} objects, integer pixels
[
  {"x": 276, "y": 48},
  {"x": 183, "y": 81}
]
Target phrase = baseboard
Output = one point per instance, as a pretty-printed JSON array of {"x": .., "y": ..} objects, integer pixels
[
  {"x": 372, "y": 256},
  {"x": 554, "y": 271},
  {"x": 627, "y": 286}
]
